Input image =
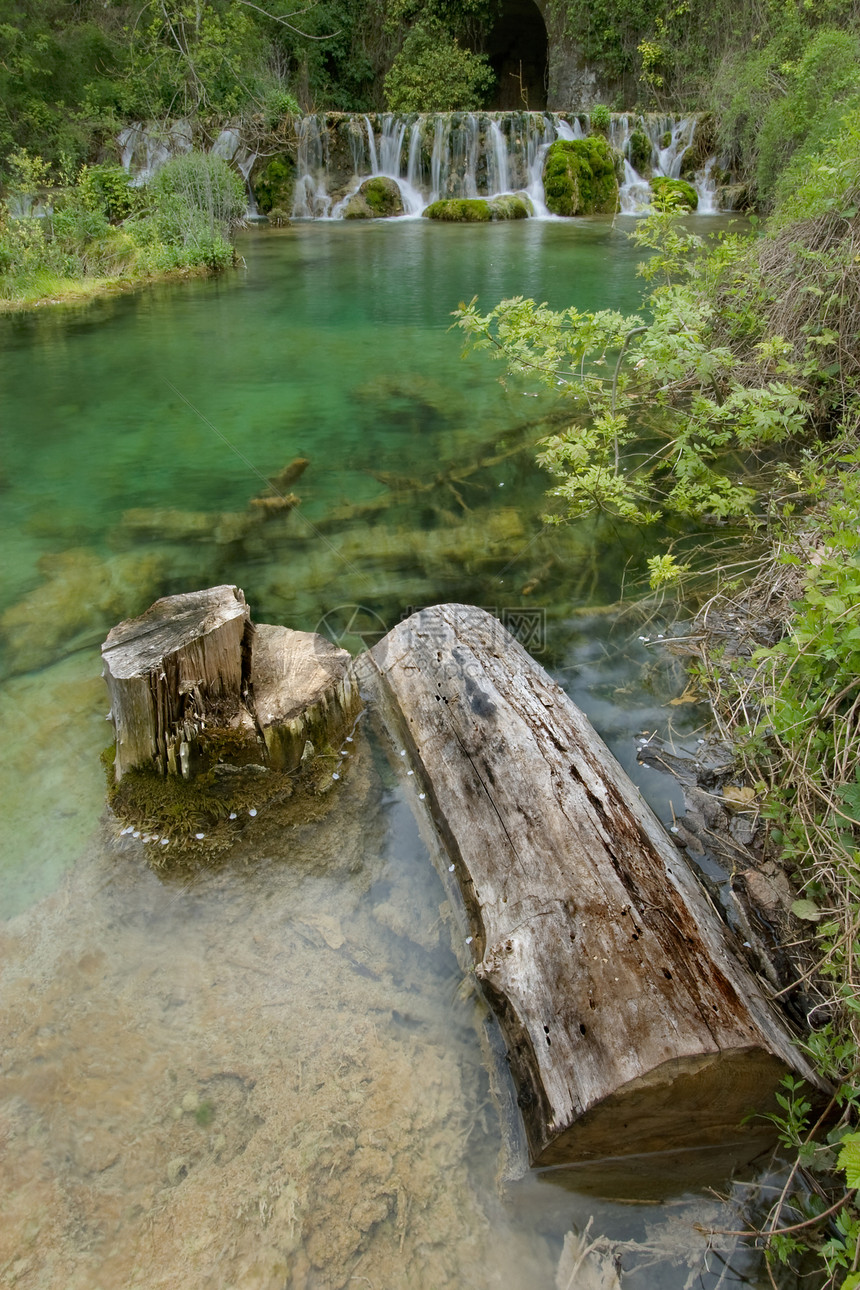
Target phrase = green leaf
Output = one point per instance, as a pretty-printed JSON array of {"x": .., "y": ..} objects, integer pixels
[
  {"x": 849, "y": 1159},
  {"x": 806, "y": 909}
]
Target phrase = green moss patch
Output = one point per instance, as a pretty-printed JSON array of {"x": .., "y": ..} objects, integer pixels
[
  {"x": 579, "y": 177},
  {"x": 480, "y": 210},
  {"x": 639, "y": 151},
  {"x": 675, "y": 192},
  {"x": 460, "y": 210},
  {"x": 273, "y": 186},
  {"x": 377, "y": 198}
]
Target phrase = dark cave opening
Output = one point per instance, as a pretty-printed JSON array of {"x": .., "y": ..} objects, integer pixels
[{"x": 517, "y": 48}]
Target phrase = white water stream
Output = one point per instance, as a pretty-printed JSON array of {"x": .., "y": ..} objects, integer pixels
[{"x": 435, "y": 155}]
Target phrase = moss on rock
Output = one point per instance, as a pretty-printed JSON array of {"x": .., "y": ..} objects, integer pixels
[
  {"x": 639, "y": 152},
  {"x": 273, "y": 186},
  {"x": 481, "y": 210},
  {"x": 579, "y": 177},
  {"x": 460, "y": 210},
  {"x": 675, "y": 191},
  {"x": 377, "y": 198},
  {"x": 512, "y": 206},
  {"x": 704, "y": 143}
]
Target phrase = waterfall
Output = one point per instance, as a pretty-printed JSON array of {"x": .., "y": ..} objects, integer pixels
[
  {"x": 144, "y": 149},
  {"x": 431, "y": 156}
]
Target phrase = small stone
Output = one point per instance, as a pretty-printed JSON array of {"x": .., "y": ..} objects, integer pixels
[
  {"x": 200, "y": 836},
  {"x": 177, "y": 1169},
  {"x": 422, "y": 796},
  {"x": 410, "y": 772},
  {"x": 450, "y": 868},
  {"x": 335, "y": 775},
  {"x": 253, "y": 810},
  {"x": 232, "y": 815},
  {"x": 165, "y": 842},
  {"x": 402, "y": 752}
]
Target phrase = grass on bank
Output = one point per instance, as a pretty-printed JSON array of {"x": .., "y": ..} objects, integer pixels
[
  {"x": 99, "y": 233},
  {"x": 735, "y": 395}
]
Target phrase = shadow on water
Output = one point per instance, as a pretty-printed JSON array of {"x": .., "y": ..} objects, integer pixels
[{"x": 277, "y": 1071}]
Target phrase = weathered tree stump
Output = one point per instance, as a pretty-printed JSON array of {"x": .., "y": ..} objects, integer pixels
[
  {"x": 170, "y": 670},
  {"x": 303, "y": 691},
  {"x": 194, "y": 667},
  {"x": 631, "y": 1022}
]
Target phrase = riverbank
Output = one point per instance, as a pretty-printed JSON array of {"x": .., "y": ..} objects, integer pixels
[{"x": 76, "y": 291}]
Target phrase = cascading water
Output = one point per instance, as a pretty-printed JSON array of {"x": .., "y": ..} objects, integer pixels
[
  {"x": 669, "y": 138},
  {"x": 432, "y": 156}
]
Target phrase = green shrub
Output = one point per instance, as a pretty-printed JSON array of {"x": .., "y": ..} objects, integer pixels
[
  {"x": 203, "y": 184},
  {"x": 107, "y": 189},
  {"x": 196, "y": 201},
  {"x": 278, "y": 104},
  {"x": 579, "y": 177},
  {"x": 433, "y": 73},
  {"x": 600, "y": 119}
]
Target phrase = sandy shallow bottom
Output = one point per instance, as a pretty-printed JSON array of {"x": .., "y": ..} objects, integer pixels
[
  {"x": 276, "y": 1074},
  {"x": 264, "y": 1076}
]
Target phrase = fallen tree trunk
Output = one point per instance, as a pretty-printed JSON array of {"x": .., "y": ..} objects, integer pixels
[{"x": 631, "y": 1022}]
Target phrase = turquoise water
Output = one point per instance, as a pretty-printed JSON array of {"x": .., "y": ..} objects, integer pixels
[{"x": 356, "y": 1126}]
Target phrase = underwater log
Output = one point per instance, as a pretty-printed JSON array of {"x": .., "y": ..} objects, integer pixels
[{"x": 632, "y": 1023}]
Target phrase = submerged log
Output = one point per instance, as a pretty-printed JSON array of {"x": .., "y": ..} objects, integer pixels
[
  {"x": 193, "y": 669},
  {"x": 632, "y": 1024}
]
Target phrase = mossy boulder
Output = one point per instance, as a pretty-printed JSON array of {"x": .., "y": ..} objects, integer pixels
[
  {"x": 480, "y": 210},
  {"x": 675, "y": 191},
  {"x": 273, "y": 186},
  {"x": 511, "y": 206},
  {"x": 460, "y": 210},
  {"x": 639, "y": 152},
  {"x": 377, "y": 198},
  {"x": 579, "y": 177}
]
